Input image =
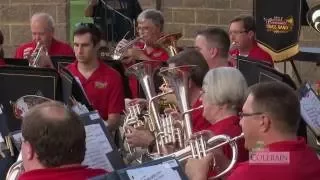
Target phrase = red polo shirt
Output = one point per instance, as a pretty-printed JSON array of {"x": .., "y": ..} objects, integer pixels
[
  {"x": 303, "y": 164},
  {"x": 103, "y": 88},
  {"x": 256, "y": 53},
  {"x": 66, "y": 173},
  {"x": 157, "y": 54},
  {"x": 57, "y": 48},
  {"x": 198, "y": 121},
  {"x": 2, "y": 62},
  {"x": 231, "y": 127}
]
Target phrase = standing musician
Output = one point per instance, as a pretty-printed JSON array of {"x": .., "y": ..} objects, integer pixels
[
  {"x": 150, "y": 29},
  {"x": 214, "y": 44},
  {"x": 42, "y": 29},
  {"x": 101, "y": 83},
  {"x": 1, "y": 49},
  {"x": 269, "y": 120},
  {"x": 54, "y": 145},
  {"x": 242, "y": 35}
]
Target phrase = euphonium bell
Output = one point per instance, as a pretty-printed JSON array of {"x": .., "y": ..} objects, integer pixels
[{"x": 169, "y": 43}]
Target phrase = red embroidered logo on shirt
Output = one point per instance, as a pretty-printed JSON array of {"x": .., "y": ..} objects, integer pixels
[
  {"x": 100, "y": 85},
  {"x": 157, "y": 54}
]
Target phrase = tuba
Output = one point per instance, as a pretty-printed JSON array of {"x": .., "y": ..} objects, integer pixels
[{"x": 195, "y": 145}]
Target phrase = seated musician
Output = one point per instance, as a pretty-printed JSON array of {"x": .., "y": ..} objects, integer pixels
[
  {"x": 101, "y": 83},
  {"x": 150, "y": 29},
  {"x": 242, "y": 35},
  {"x": 42, "y": 29},
  {"x": 143, "y": 138},
  {"x": 1, "y": 49},
  {"x": 214, "y": 44},
  {"x": 269, "y": 120},
  {"x": 54, "y": 144},
  {"x": 223, "y": 95}
]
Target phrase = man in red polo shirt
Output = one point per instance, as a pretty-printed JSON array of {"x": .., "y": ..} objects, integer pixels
[
  {"x": 242, "y": 36},
  {"x": 54, "y": 145},
  {"x": 213, "y": 44},
  {"x": 150, "y": 29},
  {"x": 270, "y": 118},
  {"x": 42, "y": 29},
  {"x": 101, "y": 83}
]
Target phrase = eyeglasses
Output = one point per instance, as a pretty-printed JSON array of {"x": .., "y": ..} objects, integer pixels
[
  {"x": 242, "y": 114},
  {"x": 236, "y": 32}
]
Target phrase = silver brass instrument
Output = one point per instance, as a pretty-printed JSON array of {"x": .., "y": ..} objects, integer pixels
[
  {"x": 35, "y": 55},
  {"x": 195, "y": 146},
  {"x": 118, "y": 53},
  {"x": 15, "y": 170},
  {"x": 313, "y": 17}
]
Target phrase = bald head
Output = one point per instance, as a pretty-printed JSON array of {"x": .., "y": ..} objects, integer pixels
[
  {"x": 43, "y": 18},
  {"x": 56, "y": 134}
]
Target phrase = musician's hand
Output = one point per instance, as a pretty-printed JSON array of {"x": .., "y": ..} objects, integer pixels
[
  {"x": 197, "y": 169},
  {"x": 27, "y": 53},
  {"x": 139, "y": 137},
  {"x": 137, "y": 54},
  {"x": 142, "y": 102},
  {"x": 45, "y": 60}
]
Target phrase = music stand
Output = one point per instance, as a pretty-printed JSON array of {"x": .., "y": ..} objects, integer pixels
[
  {"x": 16, "y": 62},
  {"x": 310, "y": 109},
  {"x": 72, "y": 88},
  {"x": 18, "y": 81},
  {"x": 61, "y": 61}
]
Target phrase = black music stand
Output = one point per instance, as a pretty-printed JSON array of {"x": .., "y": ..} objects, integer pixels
[
  {"x": 16, "y": 62},
  {"x": 61, "y": 61},
  {"x": 72, "y": 88},
  {"x": 18, "y": 81}
]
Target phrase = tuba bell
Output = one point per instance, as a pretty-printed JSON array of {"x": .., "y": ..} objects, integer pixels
[{"x": 169, "y": 43}]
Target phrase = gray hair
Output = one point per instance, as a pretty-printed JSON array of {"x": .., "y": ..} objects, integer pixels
[
  {"x": 154, "y": 15},
  {"x": 225, "y": 86},
  {"x": 44, "y": 17}
]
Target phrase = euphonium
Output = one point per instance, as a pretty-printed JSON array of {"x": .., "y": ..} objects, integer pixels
[{"x": 169, "y": 43}]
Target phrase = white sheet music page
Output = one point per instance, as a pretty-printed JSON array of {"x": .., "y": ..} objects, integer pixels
[
  {"x": 310, "y": 111},
  {"x": 97, "y": 148},
  {"x": 155, "y": 172}
]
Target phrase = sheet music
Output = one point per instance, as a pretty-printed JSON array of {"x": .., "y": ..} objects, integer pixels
[
  {"x": 310, "y": 111},
  {"x": 98, "y": 146},
  {"x": 155, "y": 172},
  {"x": 17, "y": 136}
]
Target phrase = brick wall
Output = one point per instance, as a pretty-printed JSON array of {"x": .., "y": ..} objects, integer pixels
[
  {"x": 188, "y": 16},
  {"x": 15, "y": 16}
]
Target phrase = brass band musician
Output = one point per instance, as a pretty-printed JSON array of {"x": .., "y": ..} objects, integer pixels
[
  {"x": 269, "y": 120},
  {"x": 150, "y": 29},
  {"x": 42, "y": 29}
]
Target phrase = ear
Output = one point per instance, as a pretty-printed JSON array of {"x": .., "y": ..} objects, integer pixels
[
  {"x": 265, "y": 123},
  {"x": 251, "y": 34},
  {"x": 213, "y": 52},
  {"x": 28, "y": 150}
]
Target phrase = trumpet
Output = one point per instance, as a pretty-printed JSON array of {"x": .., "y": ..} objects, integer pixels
[{"x": 35, "y": 55}]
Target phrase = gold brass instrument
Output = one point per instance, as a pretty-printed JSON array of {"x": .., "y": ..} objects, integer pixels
[
  {"x": 169, "y": 43},
  {"x": 195, "y": 146},
  {"x": 35, "y": 55},
  {"x": 313, "y": 17}
]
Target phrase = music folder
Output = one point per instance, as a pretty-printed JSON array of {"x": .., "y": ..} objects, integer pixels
[
  {"x": 101, "y": 151},
  {"x": 72, "y": 88},
  {"x": 310, "y": 109},
  {"x": 160, "y": 169},
  {"x": 61, "y": 61},
  {"x": 16, "y": 62}
]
